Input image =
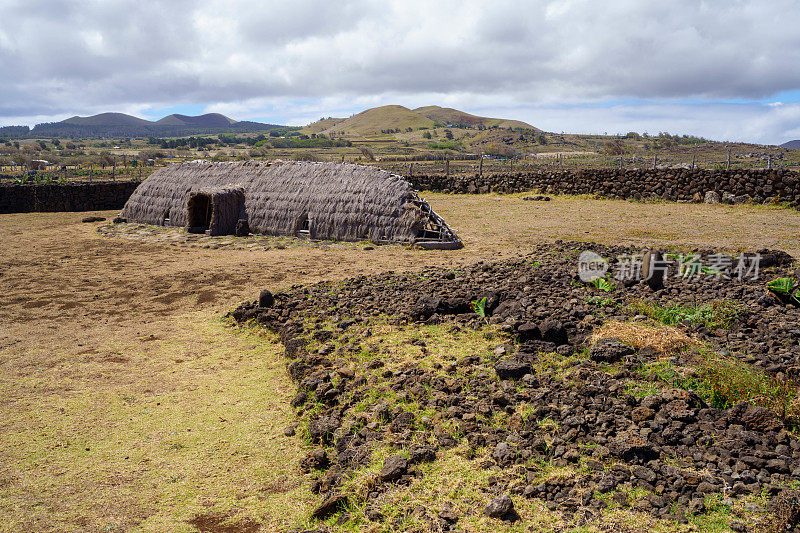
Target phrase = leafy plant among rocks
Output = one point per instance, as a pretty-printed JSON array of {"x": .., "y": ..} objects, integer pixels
[{"x": 785, "y": 288}]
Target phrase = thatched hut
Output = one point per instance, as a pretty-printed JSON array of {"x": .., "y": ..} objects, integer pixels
[{"x": 334, "y": 201}]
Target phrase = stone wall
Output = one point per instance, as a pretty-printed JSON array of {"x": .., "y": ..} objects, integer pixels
[
  {"x": 667, "y": 184},
  {"x": 78, "y": 196}
]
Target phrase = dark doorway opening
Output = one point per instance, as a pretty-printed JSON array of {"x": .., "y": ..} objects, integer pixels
[{"x": 199, "y": 210}]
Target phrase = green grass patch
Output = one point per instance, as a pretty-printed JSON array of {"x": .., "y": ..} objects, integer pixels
[
  {"x": 713, "y": 315},
  {"x": 722, "y": 383},
  {"x": 730, "y": 382}
]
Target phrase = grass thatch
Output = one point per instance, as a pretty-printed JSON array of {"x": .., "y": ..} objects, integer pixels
[
  {"x": 665, "y": 339},
  {"x": 331, "y": 201},
  {"x": 224, "y": 205}
]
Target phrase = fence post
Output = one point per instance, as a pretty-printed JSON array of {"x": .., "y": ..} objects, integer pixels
[
  {"x": 693, "y": 160},
  {"x": 728, "y": 166},
  {"x": 655, "y": 160},
  {"x": 480, "y": 167},
  {"x": 769, "y": 161},
  {"x": 447, "y": 166}
]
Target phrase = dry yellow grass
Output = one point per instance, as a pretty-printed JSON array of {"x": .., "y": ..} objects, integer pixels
[
  {"x": 666, "y": 339},
  {"x": 92, "y": 330}
]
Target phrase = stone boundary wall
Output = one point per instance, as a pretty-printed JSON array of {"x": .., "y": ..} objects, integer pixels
[
  {"x": 77, "y": 196},
  {"x": 666, "y": 184}
]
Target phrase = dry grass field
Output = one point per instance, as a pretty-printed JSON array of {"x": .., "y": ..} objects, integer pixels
[{"x": 127, "y": 403}]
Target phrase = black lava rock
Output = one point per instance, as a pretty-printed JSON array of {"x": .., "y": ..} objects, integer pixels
[
  {"x": 265, "y": 299},
  {"x": 609, "y": 350},
  {"x": 393, "y": 468},
  {"x": 553, "y": 331},
  {"x": 511, "y": 369},
  {"x": 330, "y": 506},
  {"x": 500, "y": 507}
]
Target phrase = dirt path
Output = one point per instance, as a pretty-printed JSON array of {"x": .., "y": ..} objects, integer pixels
[{"x": 126, "y": 403}]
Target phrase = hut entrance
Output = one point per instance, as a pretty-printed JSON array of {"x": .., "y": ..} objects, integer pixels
[
  {"x": 215, "y": 211},
  {"x": 200, "y": 211}
]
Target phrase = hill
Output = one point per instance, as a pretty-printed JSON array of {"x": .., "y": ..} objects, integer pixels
[
  {"x": 399, "y": 121},
  {"x": 323, "y": 124},
  {"x": 122, "y": 125},
  {"x": 106, "y": 119},
  {"x": 209, "y": 120},
  {"x": 794, "y": 145},
  {"x": 448, "y": 115},
  {"x": 379, "y": 120}
]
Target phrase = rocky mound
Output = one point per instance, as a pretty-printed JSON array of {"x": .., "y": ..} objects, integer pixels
[{"x": 671, "y": 421}]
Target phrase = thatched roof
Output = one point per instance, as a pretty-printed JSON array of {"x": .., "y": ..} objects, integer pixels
[{"x": 323, "y": 200}]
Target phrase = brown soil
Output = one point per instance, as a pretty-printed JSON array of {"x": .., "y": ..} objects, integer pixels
[{"x": 92, "y": 327}]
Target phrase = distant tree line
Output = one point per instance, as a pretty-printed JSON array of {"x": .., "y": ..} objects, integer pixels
[{"x": 293, "y": 139}]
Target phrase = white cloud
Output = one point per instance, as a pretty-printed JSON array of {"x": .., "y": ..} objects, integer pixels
[{"x": 257, "y": 57}]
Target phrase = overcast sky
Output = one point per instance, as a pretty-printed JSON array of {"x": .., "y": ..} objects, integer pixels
[{"x": 727, "y": 70}]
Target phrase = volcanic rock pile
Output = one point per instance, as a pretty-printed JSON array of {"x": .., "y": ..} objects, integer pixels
[{"x": 672, "y": 446}]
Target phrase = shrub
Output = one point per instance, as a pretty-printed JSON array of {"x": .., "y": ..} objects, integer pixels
[
  {"x": 451, "y": 145},
  {"x": 614, "y": 147},
  {"x": 730, "y": 382},
  {"x": 367, "y": 153}
]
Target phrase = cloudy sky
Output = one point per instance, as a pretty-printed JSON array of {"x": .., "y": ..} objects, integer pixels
[{"x": 727, "y": 70}]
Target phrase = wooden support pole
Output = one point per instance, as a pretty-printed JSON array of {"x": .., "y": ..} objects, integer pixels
[
  {"x": 769, "y": 161},
  {"x": 446, "y": 166},
  {"x": 655, "y": 161},
  {"x": 728, "y": 166},
  {"x": 693, "y": 160},
  {"x": 480, "y": 167}
]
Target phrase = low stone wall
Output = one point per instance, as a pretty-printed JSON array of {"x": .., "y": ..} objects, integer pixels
[
  {"x": 667, "y": 184},
  {"x": 78, "y": 196}
]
